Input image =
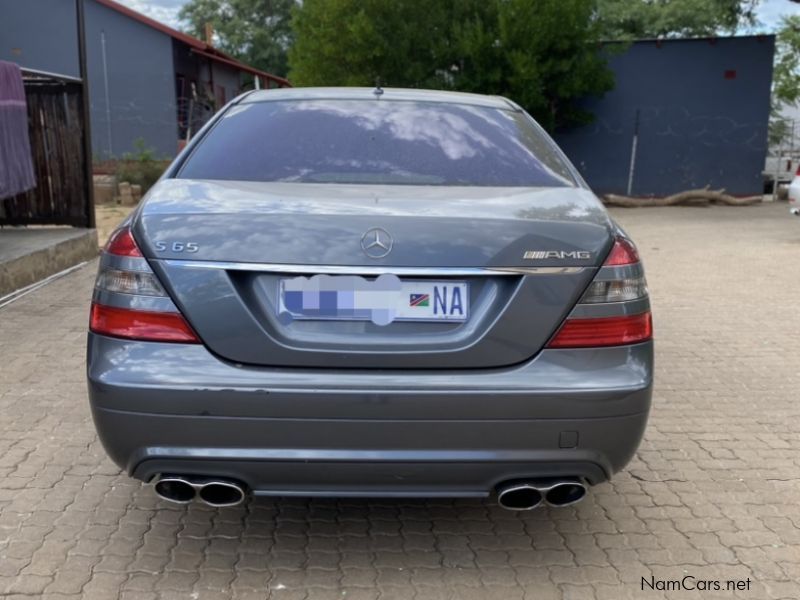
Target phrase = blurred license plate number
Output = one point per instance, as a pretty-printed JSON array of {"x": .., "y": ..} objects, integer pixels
[{"x": 416, "y": 300}]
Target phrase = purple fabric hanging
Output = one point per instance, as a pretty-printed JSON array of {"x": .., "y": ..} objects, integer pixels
[{"x": 16, "y": 162}]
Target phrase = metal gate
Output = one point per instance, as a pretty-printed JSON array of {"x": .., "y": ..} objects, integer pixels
[
  {"x": 57, "y": 130},
  {"x": 61, "y": 144}
]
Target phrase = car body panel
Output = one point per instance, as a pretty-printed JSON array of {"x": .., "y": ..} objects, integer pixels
[
  {"x": 122, "y": 371},
  {"x": 511, "y": 318},
  {"x": 322, "y": 224},
  {"x": 165, "y": 406}
]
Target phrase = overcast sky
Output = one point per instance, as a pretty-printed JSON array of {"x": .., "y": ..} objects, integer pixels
[
  {"x": 166, "y": 11},
  {"x": 771, "y": 11}
]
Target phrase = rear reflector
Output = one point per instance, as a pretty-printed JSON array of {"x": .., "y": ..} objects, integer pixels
[
  {"x": 623, "y": 253},
  {"x": 603, "y": 331},
  {"x": 615, "y": 290},
  {"x": 138, "y": 283},
  {"x": 122, "y": 243},
  {"x": 141, "y": 325}
]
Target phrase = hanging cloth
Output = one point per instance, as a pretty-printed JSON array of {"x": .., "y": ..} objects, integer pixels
[{"x": 16, "y": 161}]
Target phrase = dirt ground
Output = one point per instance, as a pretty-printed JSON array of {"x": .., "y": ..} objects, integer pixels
[{"x": 107, "y": 217}]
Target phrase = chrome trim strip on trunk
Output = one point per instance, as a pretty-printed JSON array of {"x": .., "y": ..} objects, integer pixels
[{"x": 370, "y": 270}]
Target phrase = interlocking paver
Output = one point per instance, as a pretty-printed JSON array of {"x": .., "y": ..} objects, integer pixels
[{"x": 712, "y": 492}]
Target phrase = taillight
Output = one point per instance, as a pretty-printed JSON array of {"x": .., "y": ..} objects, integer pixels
[
  {"x": 141, "y": 325},
  {"x": 121, "y": 243},
  {"x": 619, "y": 286},
  {"x": 604, "y": 331},
  {"x": 129, "y": 301},
  {"x": 622, "y": 253}
]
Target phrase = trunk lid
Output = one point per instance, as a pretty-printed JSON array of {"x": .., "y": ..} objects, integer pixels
[{"x": 222, "y": 249}]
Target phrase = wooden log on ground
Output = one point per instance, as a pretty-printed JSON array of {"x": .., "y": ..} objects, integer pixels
[{"x": 699, "y": 197}]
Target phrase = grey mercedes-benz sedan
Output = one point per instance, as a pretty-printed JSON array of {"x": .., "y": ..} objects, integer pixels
[{"x": 357, "y": 292}]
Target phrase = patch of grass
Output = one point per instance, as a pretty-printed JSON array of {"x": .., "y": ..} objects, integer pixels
[{"x": 141, "y": 167}]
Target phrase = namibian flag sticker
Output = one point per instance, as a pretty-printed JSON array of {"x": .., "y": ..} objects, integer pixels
[{"x": 419, "y": 300}]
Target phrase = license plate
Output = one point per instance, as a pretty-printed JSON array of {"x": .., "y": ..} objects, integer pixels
[{"x": 381, "y": 300}]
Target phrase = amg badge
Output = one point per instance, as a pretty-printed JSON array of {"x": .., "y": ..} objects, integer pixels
[{"x": 560, "y": 254}]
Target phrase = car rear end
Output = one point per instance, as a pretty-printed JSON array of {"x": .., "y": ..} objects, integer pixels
[{"x": 358, "y": 335}]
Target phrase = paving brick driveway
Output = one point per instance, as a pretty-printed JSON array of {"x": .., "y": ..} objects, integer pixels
[{"x": 713, "y": 493}]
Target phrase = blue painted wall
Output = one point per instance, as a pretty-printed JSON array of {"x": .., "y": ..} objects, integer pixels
[
  {"x": 141, "y": 84},
  {"x": 703, "y": 116},
  {"x": 41, "y": 34}
]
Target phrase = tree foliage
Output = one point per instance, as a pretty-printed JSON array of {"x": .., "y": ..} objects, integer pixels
[
  {"x": 257, "y": 32},
  {"x": 540, "y": 53},
  {"x": 785, "y": 77},
  {"x": 636, "y": 19},
  {"x": 786, "y": 74}
]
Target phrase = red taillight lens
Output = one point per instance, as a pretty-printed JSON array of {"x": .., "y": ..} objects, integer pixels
[
  {"x": 603, "y": 331},
  {"x": 623, "y": 253},
  {"x": 141, "y": 325},
  {"x": 122, "y": 243}
]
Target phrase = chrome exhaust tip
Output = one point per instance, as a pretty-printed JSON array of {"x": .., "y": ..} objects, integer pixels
[
  {"x": 175, "y": 489},
  {"x": 565, "y": 493},
  {"x": 220, "y": 494},
  {"x": 213, "y": 492},
  {"x": 519, "y": 496}
]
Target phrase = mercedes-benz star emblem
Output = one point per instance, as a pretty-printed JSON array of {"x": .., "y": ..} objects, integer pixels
[{"x": 376, "y": 243}]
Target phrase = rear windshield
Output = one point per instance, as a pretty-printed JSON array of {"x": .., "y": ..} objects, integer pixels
[{"x": 377, "y": 142}]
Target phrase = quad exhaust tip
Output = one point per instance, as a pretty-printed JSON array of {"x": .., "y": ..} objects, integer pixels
[
  {"x": 516, "y": 495},
  {"x": 527, "y": 495},
  {"x": 212, "y": 492}
]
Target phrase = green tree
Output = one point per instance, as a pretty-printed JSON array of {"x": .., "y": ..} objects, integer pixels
[
  {"x": 636, "y": 19},
  {"x": 541, "y": 53},
  {"x": 785, "y": 77},
  {"x": 353, "y": 42},
  {"x": 257, "y": 32}
]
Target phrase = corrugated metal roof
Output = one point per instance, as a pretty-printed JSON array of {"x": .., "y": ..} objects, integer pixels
[{"x": 198, "y": 46}]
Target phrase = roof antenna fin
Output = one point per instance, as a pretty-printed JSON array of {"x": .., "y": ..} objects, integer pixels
[{"x": 378, "y": 91}]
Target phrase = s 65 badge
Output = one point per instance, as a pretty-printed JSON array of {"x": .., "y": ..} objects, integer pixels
[{"x": 177, "y": 247}]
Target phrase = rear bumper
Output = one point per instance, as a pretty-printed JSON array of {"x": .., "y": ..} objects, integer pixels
[{"x": 169, "y": 408}]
